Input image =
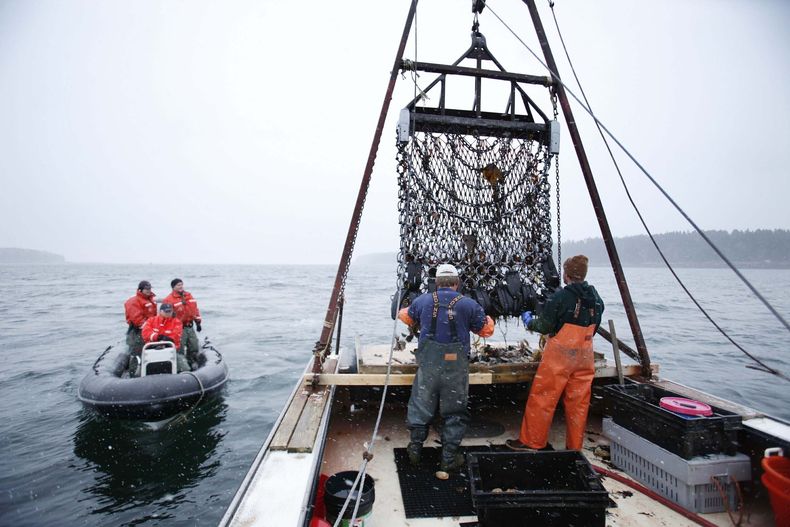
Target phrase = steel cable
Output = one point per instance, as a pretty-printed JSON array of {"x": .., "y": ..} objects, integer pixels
[
  {"x": 763, "y": 367},
  {"x": 652, "y": 180}
]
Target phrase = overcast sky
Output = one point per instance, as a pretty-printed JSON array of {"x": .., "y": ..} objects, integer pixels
[{"x": 237, "y": 131}]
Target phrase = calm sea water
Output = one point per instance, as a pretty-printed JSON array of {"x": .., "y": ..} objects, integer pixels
[{"x": 60, "y": 465}]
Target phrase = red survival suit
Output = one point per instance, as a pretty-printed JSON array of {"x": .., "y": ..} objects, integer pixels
[
  {"x": 139, "y": 308},
  {"x": 158, "y": 326},
  {"x": 185, "y": 307}
]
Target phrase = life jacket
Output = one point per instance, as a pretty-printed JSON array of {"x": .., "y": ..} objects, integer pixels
[
  {"x": 167, "y": 326},
  {"x": 139, "y": 308},
  {"x": 185, "y": 307}
]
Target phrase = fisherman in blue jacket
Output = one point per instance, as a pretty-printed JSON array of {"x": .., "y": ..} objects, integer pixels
[{"x": 445, "y": 317}]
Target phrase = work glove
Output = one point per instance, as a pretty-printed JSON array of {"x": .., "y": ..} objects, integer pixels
[
  {"x": 197, "y": 326},
  {"x": 164, "y": 338},
  {"x": 526, "y": 316}
]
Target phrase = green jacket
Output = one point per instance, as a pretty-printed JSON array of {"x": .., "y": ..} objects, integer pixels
[{"x": 560, "y": 309}]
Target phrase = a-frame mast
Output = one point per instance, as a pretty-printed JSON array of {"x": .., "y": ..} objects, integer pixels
[
  {"x": 322, "y": 345},
  {"x": 600, "y": 214}
]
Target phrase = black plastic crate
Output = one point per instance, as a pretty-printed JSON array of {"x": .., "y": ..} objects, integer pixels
[
  {"x": 636, "y": 407},
  {"x": 522, "y": 489}
]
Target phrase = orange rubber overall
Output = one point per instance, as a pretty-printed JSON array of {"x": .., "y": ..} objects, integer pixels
[{"x": 567, "y": 366}]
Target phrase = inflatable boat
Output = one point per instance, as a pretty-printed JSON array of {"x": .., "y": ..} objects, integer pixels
[{"x": 158, "y": 392}]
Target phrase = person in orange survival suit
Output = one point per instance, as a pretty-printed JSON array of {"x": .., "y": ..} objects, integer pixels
[
  {"x": 165, "y": 327},
  {"x": 187, "y": 312},
  {"x": 570, "y": 318},
  {"x": 442, "y": 381},
  {"x": 138, "y": 309}
]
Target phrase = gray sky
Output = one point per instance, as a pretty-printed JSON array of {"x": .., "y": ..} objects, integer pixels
[{"x": 237, "y": 131}]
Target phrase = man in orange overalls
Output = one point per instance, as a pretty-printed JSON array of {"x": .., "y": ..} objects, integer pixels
[{"x": 570, "y": 318}]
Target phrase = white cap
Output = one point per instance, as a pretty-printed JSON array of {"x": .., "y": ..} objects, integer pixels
[{"x": 446, "y": 270}]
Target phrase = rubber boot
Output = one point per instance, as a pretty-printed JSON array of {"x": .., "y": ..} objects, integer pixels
[
  {"x": 414, "y": 451},
  {"x": 452, "y": 460}
]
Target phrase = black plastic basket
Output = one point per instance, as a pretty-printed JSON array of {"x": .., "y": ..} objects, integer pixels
[
  {"x": 636, "y": 407},
  {"x": 522, "y": 489}
]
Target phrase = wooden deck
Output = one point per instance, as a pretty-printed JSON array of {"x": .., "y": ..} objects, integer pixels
[
  {"x": 349, "y": 432},
  {"x": 372, "y": 369},
  {"x": 321, "y": 431}
]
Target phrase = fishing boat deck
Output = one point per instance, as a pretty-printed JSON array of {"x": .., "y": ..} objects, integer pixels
[
  {"x": 331, "y": 416},
  {"x": 350, "y": 429}
]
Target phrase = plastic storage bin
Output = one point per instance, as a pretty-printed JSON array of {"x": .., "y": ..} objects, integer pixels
[
  {"x": 776, "y": 478},
  {"x": 636, "y": 407},
  {"x": 687, "y": 482},
  {"x": 521, "y": 489}
]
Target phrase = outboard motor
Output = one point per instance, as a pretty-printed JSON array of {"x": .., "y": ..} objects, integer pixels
[{"x": 157, "y": 358}]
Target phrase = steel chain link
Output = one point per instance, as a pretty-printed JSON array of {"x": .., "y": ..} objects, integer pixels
[{"x": 450, "y": 212}]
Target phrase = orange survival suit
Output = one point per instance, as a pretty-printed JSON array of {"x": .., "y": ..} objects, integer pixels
[
  {"x": 156, "y": 327},
  {"x": 139, "y": 308},
  {"x": 185, "y": 306},
  {"x": 570, "y": 318}
]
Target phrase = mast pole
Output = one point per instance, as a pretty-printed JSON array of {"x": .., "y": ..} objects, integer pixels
[
  {"x": 600, "y": 214},
  {"x": 323, "y": 344}
]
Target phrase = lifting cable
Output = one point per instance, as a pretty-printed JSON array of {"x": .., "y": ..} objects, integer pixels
[
  {"x": 367, "y": 455},
  {"x": 762, "y": 366},
  {"x": 359, "y": 483},
  {"x": 601, "y": 126}
]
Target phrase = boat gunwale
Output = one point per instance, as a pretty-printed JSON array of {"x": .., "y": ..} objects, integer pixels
[{"x": 242, "y": 491}]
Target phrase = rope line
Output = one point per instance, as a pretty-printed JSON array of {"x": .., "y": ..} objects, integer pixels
[
  {"x": 763, "y": 367},
  {"x": 652, "y": 180},
  {"x": 368, "y": 454}
]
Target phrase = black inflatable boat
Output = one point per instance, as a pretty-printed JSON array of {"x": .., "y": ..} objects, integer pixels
[{"x": 109, "y": 390}]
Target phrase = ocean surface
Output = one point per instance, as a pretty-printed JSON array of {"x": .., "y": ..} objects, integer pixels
[{"x": 61, "y": 465}]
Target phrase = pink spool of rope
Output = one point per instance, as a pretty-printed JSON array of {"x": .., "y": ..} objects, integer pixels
[{"x": 684, "y": 406}]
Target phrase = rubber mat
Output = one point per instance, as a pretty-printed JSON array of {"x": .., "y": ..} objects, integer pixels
[{"x": 425, "y": 496}]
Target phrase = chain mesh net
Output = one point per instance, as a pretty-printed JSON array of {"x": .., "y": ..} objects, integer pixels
[{"x": 482, "y": 204}]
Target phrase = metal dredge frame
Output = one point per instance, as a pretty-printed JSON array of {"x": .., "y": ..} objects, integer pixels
[{"x": 322, "y": 347}]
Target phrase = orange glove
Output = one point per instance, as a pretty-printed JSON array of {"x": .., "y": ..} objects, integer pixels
[
  {"x": 488, "y": 328},
  {"x": 403, "y": 316}
]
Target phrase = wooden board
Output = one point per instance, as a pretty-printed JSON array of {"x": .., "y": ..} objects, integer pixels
[
  {"x": 288, "y": 423},
  {"x": 406, "y": 379},
  {"x": 373, "y": 359},
  {"x": 301, "y": 416},
  {"x": 306, "y": 429}
]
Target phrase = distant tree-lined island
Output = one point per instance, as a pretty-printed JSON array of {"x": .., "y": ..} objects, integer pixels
[
  {"x": 13, "y": 255},
  {"x": 761, "y": 248}
]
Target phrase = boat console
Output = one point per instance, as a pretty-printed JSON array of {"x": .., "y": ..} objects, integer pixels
[{"x": 157, "y": 358}]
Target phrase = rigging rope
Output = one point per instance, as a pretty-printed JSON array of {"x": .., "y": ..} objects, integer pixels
[
  {"x": 652, "y": 180},
  {"x": 763, "y": 367},
  {"x": 367, "y": 455}
]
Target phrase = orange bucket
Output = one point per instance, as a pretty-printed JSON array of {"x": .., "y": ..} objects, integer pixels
[{"x": 776, "y": 478}]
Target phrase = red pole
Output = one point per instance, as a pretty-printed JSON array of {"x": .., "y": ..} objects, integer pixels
[
  {"x": 600, "y": 214},
  {"x": 322, "y": 345}
]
